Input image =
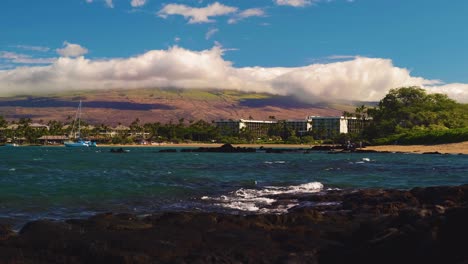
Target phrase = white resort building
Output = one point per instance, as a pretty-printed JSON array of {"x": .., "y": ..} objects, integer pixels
[{"x": 322, "y": 126}]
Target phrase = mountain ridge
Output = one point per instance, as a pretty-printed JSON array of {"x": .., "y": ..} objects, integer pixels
[{"x": 164, "y": 105}]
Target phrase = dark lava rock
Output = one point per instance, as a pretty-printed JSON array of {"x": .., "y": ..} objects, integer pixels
[
  {"x": 432, "y": 153},
  {"x": 119, "y": 150},
  {"x": 423, "y": 225},
  {"x": 326, "y": 148},
  {"x": 226, "y": 148},
  {"x": 282, "y": 150},
  {"x": 6, "y": 232},
  {"x": 168, "y": 150}
]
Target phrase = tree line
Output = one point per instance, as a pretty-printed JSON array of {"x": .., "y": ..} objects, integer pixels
[{"x": 410, "y": 115}]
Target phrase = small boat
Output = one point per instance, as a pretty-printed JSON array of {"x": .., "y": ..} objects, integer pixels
[
  {"x": 78, "y": 142},
  {"x": 11, "y": 145}
]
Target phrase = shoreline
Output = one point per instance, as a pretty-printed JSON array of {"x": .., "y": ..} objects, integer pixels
[{"x": 451, "y": 148}]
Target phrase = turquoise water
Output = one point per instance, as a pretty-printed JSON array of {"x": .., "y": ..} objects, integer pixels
[{"x": 58, "y": 183}]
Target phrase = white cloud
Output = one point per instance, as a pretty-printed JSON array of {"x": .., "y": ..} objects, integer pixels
[
  {"x": 210, "y": 33},
  {"x": 295, "y": 3},
  {"x": 341, "y": 57},
  {"x": 109, "y": 3},
  {"x": 245, "y": 14},
  {"x": 71, "y": 50},
  {"x": 196, "y": 15},
  {"x": 361, "y": 78},
  {"x": 23, "y": 58},
  {"x": 137, "y": 3},
  {"x": 32, "y": 48}
]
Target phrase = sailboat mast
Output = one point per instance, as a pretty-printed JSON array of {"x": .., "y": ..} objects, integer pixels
[{"x": 79, "y": 120}]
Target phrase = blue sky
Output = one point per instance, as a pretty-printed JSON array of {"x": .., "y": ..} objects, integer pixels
[{"x": 428, "y": 38}]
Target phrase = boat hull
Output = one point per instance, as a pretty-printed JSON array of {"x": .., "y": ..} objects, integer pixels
[{"x": 80, "y": 144}]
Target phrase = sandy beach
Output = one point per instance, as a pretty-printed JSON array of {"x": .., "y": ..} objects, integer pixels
[{"x": 453, "y": 148}]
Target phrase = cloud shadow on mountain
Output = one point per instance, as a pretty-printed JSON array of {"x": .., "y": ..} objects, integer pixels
[
  {"x": 287, "y": 102},
  {"x": 48, "y": 102}
]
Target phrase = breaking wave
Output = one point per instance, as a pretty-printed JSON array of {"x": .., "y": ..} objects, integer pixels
[{"x": 263, "y": 200}]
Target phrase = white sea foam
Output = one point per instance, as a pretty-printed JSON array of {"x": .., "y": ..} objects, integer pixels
[
  {"x": 275, "y": 162},
  {"x": 260, "y": 200}
]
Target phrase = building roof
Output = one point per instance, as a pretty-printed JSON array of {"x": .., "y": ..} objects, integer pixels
[
  {"x": 49, "y": 137},
  {"x": 121, "y": 128}
]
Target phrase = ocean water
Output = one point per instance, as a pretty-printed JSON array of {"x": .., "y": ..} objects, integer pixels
[{"x": 61, "y": 183}]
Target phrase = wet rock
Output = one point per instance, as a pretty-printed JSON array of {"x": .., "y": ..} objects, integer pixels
[
  {"x": 432, "y": 153},
  {"x": 168, "y": 150},
  {"x": 326, "y": 148},
  {"x": 423, "y": 225},
  {"x": 6, "y": 232}
]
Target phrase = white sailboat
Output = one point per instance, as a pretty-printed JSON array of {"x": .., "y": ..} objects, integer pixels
[{"x": 78, "y": 142}]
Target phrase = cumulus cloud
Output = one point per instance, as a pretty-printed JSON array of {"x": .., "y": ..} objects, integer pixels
[
  {"x": 245, "y": 14},
  {"x": 294, "y": 3},
  {"x": 71, "y": 50},
  {"x": 137, "y": 3},
  {"x": 196, "y": 15},
  {"x": 361, "y": 78}
]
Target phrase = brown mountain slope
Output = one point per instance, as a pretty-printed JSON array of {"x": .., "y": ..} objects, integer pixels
[{"x": 162, "y": 105}]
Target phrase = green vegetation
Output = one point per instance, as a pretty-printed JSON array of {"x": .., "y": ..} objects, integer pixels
[
  {"x": 426, "y": 137},
  {"x": 409, "y": 115}
]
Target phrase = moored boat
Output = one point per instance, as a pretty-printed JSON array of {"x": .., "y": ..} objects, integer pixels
[{"x": 78, "y": 142}]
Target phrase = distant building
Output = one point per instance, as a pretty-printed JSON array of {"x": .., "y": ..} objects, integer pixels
[
  {"x": 38, "y": 126},
  {"x": 328, "y": 126},
  {"x": 322, "y": 126},
  {"x": 52, "y": 140},
  {"x": 301, "y": 126},
  {"x": 234, "y": 127}
]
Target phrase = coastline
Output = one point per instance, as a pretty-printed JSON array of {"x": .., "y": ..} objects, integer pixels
[{"x": 452, "y": 148}]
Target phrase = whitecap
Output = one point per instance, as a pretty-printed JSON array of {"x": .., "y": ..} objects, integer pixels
[{"x": 260, "y": 200}]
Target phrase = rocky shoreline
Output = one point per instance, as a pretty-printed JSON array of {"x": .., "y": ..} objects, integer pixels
[{"x": 421, "y": 225}]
